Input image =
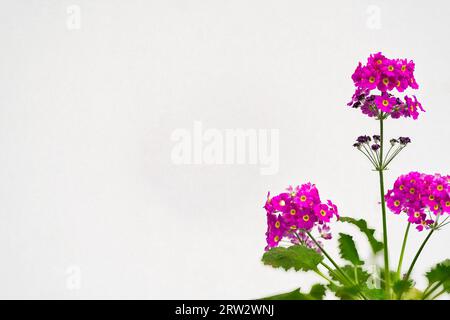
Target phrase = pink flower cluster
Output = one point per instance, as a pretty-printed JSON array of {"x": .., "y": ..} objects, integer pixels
[
  {"x": 300, "y": 209},
  {"x": 385, "y": 75},
  {"x": 419, "y": 195}
]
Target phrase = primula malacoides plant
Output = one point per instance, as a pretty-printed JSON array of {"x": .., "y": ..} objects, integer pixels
[{"x": 300, "y": 223}]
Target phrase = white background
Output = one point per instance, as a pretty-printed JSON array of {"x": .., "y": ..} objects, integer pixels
[{"x": 86, "y": 178}]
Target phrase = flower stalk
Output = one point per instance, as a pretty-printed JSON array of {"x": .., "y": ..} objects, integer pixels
[
  {"x": 383, "y": 214},
  {"x": 402, "y": 253},
  {"x": 329, "y": 257},
  {"x": 413, "y": 263},
  {"x": 343, "y": 274}
]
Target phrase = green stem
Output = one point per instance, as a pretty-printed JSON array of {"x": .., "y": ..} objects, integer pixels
[
  {"x": 324, "y": 276},
  {"x": 387, "y": 154},
  {"x": 426, "y": 290},
  {"x": 429, "y": 292},
  {"x": 400, "y": 261},
  {"x": 396, "y": 152},
  {"x": 370, "y": 154},
  {"x": 439, "y": 294},
  {"x": 329, "y": 258},
  {"x": 374, "y": 164},
  {"x": 333, "y": 262},
  {"x": 408, "y": 274},
  {"x": 383, "y": 212},
  {"x": 298, "y": 238},
  {"x": 337, "y": 275},
  {"x": 326, "y": 266},
  {"x": 443, "y": 223},
  {"x": 332, "y": 272}
]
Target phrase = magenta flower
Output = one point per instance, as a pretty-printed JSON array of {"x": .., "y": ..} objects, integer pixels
[
  {"x": 377, "y": 60},
  {"x": 385, "y": 75},
  {"x": 385, "y": 103},
  {"x": 323, "y": 213},
  {"x": 291, "y": 213},
  {"x": 417, "y": 194},
  {"x": 325, "y": 232},
  {"x": 333, "y": 208},
  {"x": 276, "y": 231},
  {"x": 369, "y": 79},
  {"x": 386, "y": 83},
  {"x": 416, "y": 216},
  {"x": 425, "y": 224},
  {"x": 402, "y": 83},
  {"x": 281, "y": 202},
  {"x": 412, "y": 107}
]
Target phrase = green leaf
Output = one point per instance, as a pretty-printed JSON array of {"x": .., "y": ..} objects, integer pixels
[
  {"x": 402, "y": 286},
  {"x": 349, "y": 270},
  {"x": 317, "y": 292},
  {"x": 447, "y": 286},
  {"x": 296, "y": 257},
  {"x": 361, "y": 224},
  {"x": 440, "y": 274},
  {"x": 354, "y": 292},
  {"x": 345, "y": 292},
  {"x": 373, "y": 294},
  {"x": 348, "y": 250}
]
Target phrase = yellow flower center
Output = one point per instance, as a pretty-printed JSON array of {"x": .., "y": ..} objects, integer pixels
[
  {"x": 447, "y": 203},
  {"x": 398, "y": 83},
  {"x": 277, "y": 224},
  {"x": 402, "y": 187},
  {"x": 282, "y": 203},
  {"x": 379, "y": 61},
  {"x": 323, "y": 213},
  {"x": 385, "y": 102},
  {"x": 417, "y": 214},
  {"x": 385, "y": 81},
  {"x": 412, "y": 190},
  {"x": 293, "y": 212},
  {"x": 276, "y": 239},
  {"x": 431, "y": 197},
  {"x": 303, "y": 198},
  {"x": 390, "y": 68},
  {"x": 293, "y": 227},
  {"x": 403, "y": 68},
  {"x": 372, "y": 79},
  {"x": 440, "y": 187},
  {"x": 436, "y": 206},
  {"x": 306, "y": 218},
  {"x": 396, "y": 203}
]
